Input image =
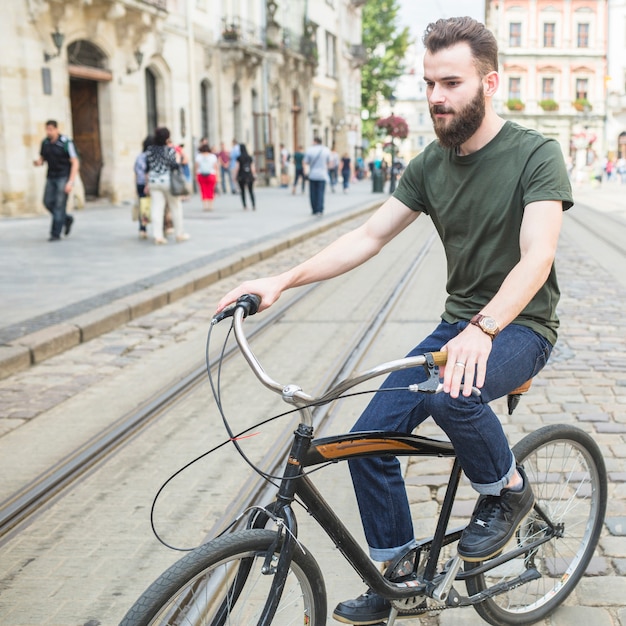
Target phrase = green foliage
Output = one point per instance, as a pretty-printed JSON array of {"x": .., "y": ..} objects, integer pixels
[
  {"x": 582, "y": 104},
  {"x": 514, "y": 104},
  {"x": 549, "y": 105},
  {"x": 386, "y": 46}
]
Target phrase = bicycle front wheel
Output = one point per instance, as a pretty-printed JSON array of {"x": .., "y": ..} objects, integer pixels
[
  {"x": 221, "y": 584},
  {"x": 566, "y": 471}
]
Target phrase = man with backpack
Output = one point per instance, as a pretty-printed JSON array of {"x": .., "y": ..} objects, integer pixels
[{"x": 60, "y": 154}]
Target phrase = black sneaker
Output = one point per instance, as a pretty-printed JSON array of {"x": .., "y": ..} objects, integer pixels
[
  {"x": 69, "y": 220},
  {"x": 54, "y": 238},
  {"x": 368, "y": 608},
  {"x": 494, "y": 520}
]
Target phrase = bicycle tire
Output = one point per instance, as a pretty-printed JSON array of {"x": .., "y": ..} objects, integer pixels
[
  {"x": 203, "y": 587},
  {"x": 566, "y": 470}
]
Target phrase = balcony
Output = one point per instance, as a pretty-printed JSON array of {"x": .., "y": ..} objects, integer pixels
[
  {"x": 359, "y": 55},
  {"x": 238, "y": 31}
]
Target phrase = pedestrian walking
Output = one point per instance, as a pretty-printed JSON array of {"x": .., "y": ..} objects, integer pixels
[
  {"x": 59, "y": 152},
  {"x": 284, "y": 166},
  {"x": 234, "y": 155},
  {"x": 333, "y": 168},
  {"x": 141, "y": 179},
  {"x": 499, "y": 322},
  {"x": 346, "y": 171},
  {"x": 206, "y": 168},
  {"x": 245, "y": 173},
  {"x": 224, "y": 160},
  {"x": 161, "y": 160},
  {"x": 316, "y": 160},
  {"x": 298, "y": 158}
]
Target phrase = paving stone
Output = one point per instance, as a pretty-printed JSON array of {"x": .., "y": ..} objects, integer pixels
[
  {"x": 580, "y": 616},
  {"x": 616, "y": 525},
  {"x": 613, "y": 546},
  {"x": 602, "y": 591}
]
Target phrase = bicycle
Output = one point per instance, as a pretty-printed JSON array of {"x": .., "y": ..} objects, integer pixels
[{"x": 266, "y": 576}]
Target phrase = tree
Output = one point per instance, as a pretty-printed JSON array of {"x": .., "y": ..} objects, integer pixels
[
  {"x": 395, "y": 126},
  {"x": 386, "y": 47}
]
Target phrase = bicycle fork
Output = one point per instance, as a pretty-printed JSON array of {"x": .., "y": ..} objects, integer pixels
[{"x": 286, "y": 539}]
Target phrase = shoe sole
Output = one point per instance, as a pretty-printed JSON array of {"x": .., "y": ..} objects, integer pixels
[
  {"x": 499, "y": 549},
  {"x": 351, "y": 620}
]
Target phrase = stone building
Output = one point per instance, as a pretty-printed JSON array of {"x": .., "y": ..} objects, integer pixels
[
  {"x": 263, "y": 72},
  {"x": 616, "y": 80},
  {"x": 553, "y": 66}
]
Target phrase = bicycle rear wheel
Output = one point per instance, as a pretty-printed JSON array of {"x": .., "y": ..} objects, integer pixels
[
  {"x": 221, "y": 584},
  {"x": 566, "y": 470}
]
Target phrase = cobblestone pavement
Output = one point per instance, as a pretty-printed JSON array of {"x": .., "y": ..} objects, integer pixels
[{"x": 584, "y": 383}]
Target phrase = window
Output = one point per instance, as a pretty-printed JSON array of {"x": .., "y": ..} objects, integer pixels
[
  {"x": 331, "y": 55},
  {"x": 548, "y": 35},
  {"x": 515, "y": 88},
  {"x": 151, "y": 100},
  {"x": 547, "y": 89},
  {"x": 582, "y": 40},
  {"x": 582, "y": 88},
  {"x": 205, "y": 99},
  {"x": 515, "y": 34}
]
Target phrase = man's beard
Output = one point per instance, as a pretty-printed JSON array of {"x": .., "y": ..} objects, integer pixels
[{"x": 463, "y": 125}]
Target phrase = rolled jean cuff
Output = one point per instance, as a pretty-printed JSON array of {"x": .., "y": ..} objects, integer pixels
[
  {"x": 391, "y": 554},
  {"x": 494, "y": 489}
]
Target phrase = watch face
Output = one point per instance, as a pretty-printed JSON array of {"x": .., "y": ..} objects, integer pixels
[{"x": 489, "y": 323}]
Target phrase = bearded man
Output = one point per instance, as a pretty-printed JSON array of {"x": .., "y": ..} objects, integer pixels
[{"x": 496, "y": 193}]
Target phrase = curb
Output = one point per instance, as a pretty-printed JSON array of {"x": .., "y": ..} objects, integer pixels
[{"x": 28, "y": 350}]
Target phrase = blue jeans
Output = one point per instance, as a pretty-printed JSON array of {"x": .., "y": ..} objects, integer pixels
[
  {"x": 226, "y": 176},
  {"x": 55, "y": 200},
  {"x": 299, "y": 175},
  {"x": 316, "y": 193},
  {"x": 518, "y": 353}
]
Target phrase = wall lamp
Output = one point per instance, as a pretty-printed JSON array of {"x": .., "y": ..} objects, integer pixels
[
  {"x": 57, "y": 39},
  {"x": 139, "y": 58}
]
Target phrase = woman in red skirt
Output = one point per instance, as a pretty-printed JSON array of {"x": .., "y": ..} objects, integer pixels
[{"x": 206, "y": 173}]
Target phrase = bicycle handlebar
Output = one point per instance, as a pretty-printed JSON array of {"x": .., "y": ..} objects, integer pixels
[{"x": 249, "y": 304}]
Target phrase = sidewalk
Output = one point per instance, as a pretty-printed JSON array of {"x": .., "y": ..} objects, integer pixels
[{"x": 56, "y": 295}]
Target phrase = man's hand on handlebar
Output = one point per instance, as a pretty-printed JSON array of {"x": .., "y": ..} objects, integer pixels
[
  {"x": 467, "y": 361},
  {"x": 268, "y": 289}
]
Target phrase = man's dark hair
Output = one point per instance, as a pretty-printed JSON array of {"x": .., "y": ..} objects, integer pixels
[
  {"x": 52, "y": 123},
  {"x": 445, "y": 33},
  {"x": 161, "y": 135}
]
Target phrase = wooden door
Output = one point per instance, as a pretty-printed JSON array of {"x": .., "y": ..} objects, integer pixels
[{"x": 86, "y": 129}]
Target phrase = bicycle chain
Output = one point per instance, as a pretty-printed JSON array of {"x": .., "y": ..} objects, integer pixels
[{"x": 403, "y": 611}]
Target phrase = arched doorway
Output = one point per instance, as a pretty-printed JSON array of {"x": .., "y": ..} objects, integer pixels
[{"x": 88, "y": 71}]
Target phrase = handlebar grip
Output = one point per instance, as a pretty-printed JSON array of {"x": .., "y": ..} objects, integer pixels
[
  {"x": 439, "y": 358},
  {"x": 249, "y": 302}
]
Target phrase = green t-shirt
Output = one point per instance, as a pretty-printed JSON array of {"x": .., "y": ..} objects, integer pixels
[{"x": 477, "y": 203}]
